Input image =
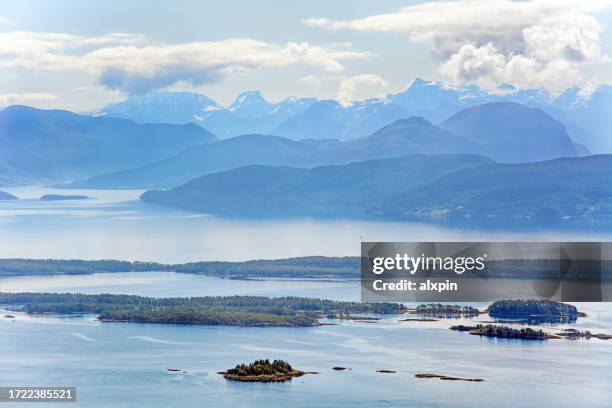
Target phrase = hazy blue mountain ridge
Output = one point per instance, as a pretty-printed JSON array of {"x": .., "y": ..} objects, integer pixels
[
  {"x": 198, "y": 160},
  {"x": 6, "y": 196},
  {"x": 57, "y": 144},
  {"x": 496, "y": 130},
  {"x": 345, "y": 190},
  {"x": 586, "y": 117},
  {"x": 414, "y": 135},
  {"x": 328, "y": 119},
  {"x": 512, "y": 133},
  {"x": 437, "y": 187},
  {"x": 559, "y": 188}
]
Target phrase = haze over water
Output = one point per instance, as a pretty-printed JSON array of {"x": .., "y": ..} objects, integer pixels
[{"x": 115, "y": 224}]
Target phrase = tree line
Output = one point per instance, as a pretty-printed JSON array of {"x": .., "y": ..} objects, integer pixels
[{"x": 229, "y": 310}]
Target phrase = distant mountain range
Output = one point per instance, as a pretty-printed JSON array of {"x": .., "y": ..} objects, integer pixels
[
  {"x": 426, "y": 153},
  {"x": 323, "y": 191},
  {"x": 417, "y": 187},
  {"x": 568, "y": 187},
  {"x": 503, "y": 131},
  {"x": 587, "y": 119},
  {"x": 212, "y": 157},
  {"x": 249, "y": 113},
  {"x": 328, "y": 119},
  {"x": 56, "y": 144},
  {"x": 512, "y": 133}
]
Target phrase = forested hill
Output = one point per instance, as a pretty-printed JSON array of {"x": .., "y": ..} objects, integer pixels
[
  {"x": 211, "y": 310},
  {"x": 310, "y": 267},
  {"x": 340, "y": 190},
  {"x": 304, "y": 267},
  {"x": 555, "y": 189}
]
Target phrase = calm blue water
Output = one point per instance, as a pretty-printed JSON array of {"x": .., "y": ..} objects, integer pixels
[
  {"x": 166, "y": 284},
  {"x": 116, "y": 225},
  {"x": 125, "y": 365}
]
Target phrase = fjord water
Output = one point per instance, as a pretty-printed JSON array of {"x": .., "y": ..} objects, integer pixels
[
  {"x": 125, "y": 365},
  {"x": 114, "y": 224}
]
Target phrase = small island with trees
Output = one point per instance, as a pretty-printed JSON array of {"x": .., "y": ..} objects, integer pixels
[
  {"x": 504, "y": 332},
  {"x": 573, "y": 334},
  {"x": 63, "y": 197},
  {"x": 531, "y": 311},
  {"x": 263, "y": 371},
  {"x": 446, "y": 311},
  {"x": 535, "y": 311}
]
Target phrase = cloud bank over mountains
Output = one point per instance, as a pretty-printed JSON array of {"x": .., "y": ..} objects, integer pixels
[
  {"x": 25, "y": 98},
  {"x": 134, "y": 65},
  {"x": 357, "y": 87},
  {"x": 497, "y": 45},
  {"x": 489, "y": 43}
]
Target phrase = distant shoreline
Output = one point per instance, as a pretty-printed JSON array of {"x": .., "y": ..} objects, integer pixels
[
  {"x": 309, "y": 267},
  {"x": 321, "y": 268}
]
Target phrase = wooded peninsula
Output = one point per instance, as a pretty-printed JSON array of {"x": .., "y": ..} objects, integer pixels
[{"x": 212, "y": 310}]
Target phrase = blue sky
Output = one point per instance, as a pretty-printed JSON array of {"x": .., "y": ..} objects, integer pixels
[{"x": 82, "y": 54}]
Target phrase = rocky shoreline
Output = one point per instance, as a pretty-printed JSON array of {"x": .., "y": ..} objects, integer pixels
[
  {"x": 448, "y": 377},
  {"x": 265, "y": 378}
]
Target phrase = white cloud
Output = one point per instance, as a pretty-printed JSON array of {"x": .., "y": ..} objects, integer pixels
[
  {"x": 587, "y": 90},
  {"x": 128, "y": 63},
  {"x": 54, "y": 51},
  {"x": 360, "y": 87},
  {"x": 4, "y": 20},
  {"x": 139, "y": 69},
  {"x": 538, "y": 43},
  {"x": 25, "y": 98},
  {"x": 311, "y": 80}
]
